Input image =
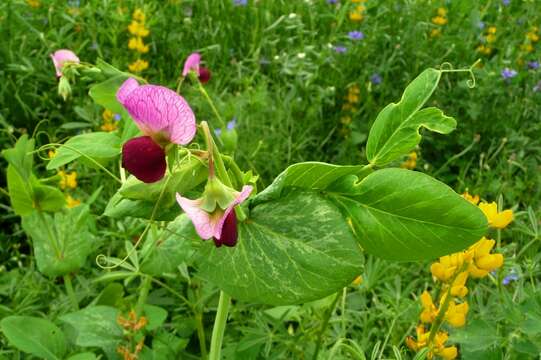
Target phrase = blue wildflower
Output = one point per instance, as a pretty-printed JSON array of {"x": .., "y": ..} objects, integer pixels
[
  {"x": 332, "y": 2},
  {"x": 231, "y": 124},
  {"x": 356, "y": 35},
  {"x": 340, "y": 49},
  {"x": 508, "y": 73},
  {"x": 217, "y": 131},
  {"x": 240, "y": 2},
  {"x": 534, "y": 65},
  {"x": 376, "y": 79},
  {"x": 511, "y": 277},
  {"x": 506, "y": 2},
  {"x": 481, "y": 25},
  {"x": 117, "y": 117}
]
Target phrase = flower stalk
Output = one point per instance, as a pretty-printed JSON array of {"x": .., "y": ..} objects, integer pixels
[{"x": 219, "y": 326}]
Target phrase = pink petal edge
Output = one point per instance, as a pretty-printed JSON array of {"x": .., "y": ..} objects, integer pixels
[
  {"x": 59, "y": 57},
  {"x": 158, "y": 110},
  {"x": 191, "y": 63}
]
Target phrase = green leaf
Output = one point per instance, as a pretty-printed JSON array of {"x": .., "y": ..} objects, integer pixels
[
  {"x": 96, "y": 326},
  {"x": 284, "y": 253},
  {"x": 396, "y": 128},
  {"x": 104, "y": 93},
  {"x": 61, "y": 241},
  {"x": 156, "y": 316},
  {"x": 47, "y": 198},
  {"x": 119, "y": 208},
  {"x": 20, "y": 156},
  {"x": 405, "y": 215},
  {"x": 166, "y": 251},
  {"x": 36, "y": 336},
  {"x": 307, "y": 176},
  {"x": 96, "y": 145},
  {"x": 83, "y": 356},
  {"x": 19, "y": 192}
]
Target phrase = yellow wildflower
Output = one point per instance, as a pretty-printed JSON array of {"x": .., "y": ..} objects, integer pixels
[
  {"x": 356, "y": 16},
  {"x": 498, "y": 220},
  {"x": 533, "y": 37},
  {"x": 442, "y": 11},
  {"x": 430, "y": 311},
  {"x": 68, "y": 180},
  {"x": 458, "y": 287},
  {"x": 473, "y": 199},
  {"x": 456, "y": 314},
  {"x": 346, "y": 120},
  {"x": 435, "y": 33},
  {"x": 71, "y": 202},
  {"x": 34, "y": 3},
  {"x": 445, "y": 268},
  {"x": 352, "y": 98},
  {"x": 491, "y": 30},
  {"x": 138, "y": 29},
  {"x": 485, "y": 50},
  {"x": 354, "y": 89},
  {"x": 358, "y": 281},
  {"x": 490, "y": 38},
  {"x": 483, "y": 261},
  {"x": 439, "y": 20},
  {"x": 51, "y": 153},
  {"x": 138, "y": 66},
  {"x": 439, "y": 349},
  {"x": 137, "y": 44},
  {"x": 139, "y": 15},
  {"x": 527, "y": 48},
  {"x": 108, "y": 126},
  {"x": 411, "y": 162}
]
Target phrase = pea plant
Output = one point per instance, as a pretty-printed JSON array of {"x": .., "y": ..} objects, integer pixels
[{"x": 301, "y": 238}]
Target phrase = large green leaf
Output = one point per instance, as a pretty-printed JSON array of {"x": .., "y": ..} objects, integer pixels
[
  {"x": 164, "y": 252},
  {"x": 306, "y": 176},
  {"x": 406, "y": 215},
  {"x": 96, "y": 326},
  {"x": 35, "y": 336},
  {"x": 96, "y": 145},
  {"x": 396, "y": 129},
  {"x": 47, "y": 198},
  {"x": 104, "y": 93},
  {"x": 20, "y": 193},
  {"x": 61, "y": 241},
  {"x": 291, "y": 250},
  {"x": 20, "y": 156}
]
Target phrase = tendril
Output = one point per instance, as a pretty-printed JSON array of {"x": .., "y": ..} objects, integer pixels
[{"x": 448, "y": 67}]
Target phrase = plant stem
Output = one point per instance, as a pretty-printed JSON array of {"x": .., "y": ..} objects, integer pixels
[
  {"x": 145, "y": 288},
  {"x": 324, "y": 325},
  {"x": 71, "y": 293},
  {"x": 219, "y": 326},
  {"x": 201, "y": 334},
  {"x": 211, "y": 104}
]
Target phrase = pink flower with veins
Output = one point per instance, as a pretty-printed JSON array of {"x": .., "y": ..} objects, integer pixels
[
  {"x": 193, "y": 62},
  {"x": 221, "y": 225},
  {"x": 60, "y": 57},
  {"x": 164, "y": 117}
]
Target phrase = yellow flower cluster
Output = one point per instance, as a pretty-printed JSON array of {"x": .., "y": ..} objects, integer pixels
[
  {"x": 357, "y": 14},
  {"x": 138, "y": 30},
  {"x": 453, "y": 271},
  {"x": 438, "y": 347},
  {"x": 439, "y": 20},
  {"x": 108, "y": 121},
  {"x": 489, "y": 40},
  {"x": 71, "y": 202},
  {"x": 411, "y": 162},
  {"x": 34, "y": 3},
  {"x": 67, "y": 181},
  {"x": 352, "y": 98},
  {"x": 532, "y": 37}
]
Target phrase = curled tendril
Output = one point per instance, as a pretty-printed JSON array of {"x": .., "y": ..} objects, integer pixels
[
  {"x": 448, "y": 67},
  {"x": 104, "y": 259}
]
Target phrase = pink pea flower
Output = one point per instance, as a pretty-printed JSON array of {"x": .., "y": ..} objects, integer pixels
[
  {"x": 193, "y": 63},
  {"x": 164, "y": 118},
  {"x": 221, "y": 225},
  {"x": 60, "y": 57}
]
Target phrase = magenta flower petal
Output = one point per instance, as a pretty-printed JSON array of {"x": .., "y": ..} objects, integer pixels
[
  {"x": 204, "y": 75},
  {"x": 212, "y": 225},
  {"x": 192, "y": 63},
  {"x": 159, "y": 112},
  {"x": 60, "y": 57},
  {"x": 143, "y": 158}
]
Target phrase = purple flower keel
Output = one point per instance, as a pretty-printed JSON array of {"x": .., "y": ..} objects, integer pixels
[{"x": 143, "y": 158}]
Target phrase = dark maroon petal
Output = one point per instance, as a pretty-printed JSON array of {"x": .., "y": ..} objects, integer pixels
[
  {"x": 204, "y": 75},
  {"x": 145, "y": 159},
  {"x": 229, "y": 231},
  {"x": 217, "y": 242}
]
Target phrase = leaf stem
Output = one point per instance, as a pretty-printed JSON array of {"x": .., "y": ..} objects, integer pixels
[
  {"x": 328, "y": 315},
  {"x": 145, "y": 288},
  {"x": 219, "y": 326},
  {"x": 70, "y": 292}
]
